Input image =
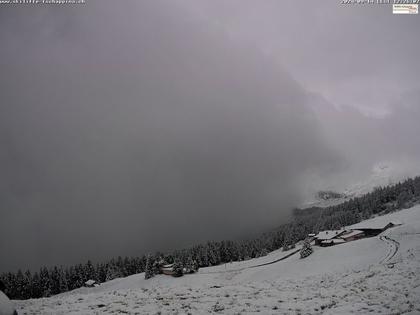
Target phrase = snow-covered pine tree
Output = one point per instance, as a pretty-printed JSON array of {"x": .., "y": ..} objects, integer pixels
[
  {"x": 89, "y": 271},
  {"x": 45, "y": 282},
  {"x": 36, "y": 291},
  {"x": 63, "y": 285},
  {"x": 150, "y": 267},
  {"x": 20, "y": 285},
  {"x": 195, "y": 266},
  {"x": 306, "y": 249},
  {"x": 55, "y": 281},
  {"x": 178, "y": 269},
  {"x": 191, "y": 265},
  {"x": 28, "y": 285},
  {"x": 112, "y": 272}
]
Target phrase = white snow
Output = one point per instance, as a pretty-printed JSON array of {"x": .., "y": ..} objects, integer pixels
[
  {"x": 372, "y": 275},
  {"x": 327, "y": 235},
  {"x": 6, "y": 306}
]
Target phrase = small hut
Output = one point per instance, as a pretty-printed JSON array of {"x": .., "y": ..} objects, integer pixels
[{"x": 91, "y": 283}]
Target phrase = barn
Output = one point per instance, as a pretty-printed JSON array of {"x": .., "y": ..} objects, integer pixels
[
  {"x": 352, "y": 235},
  {"x": 327, "y": 236},
  {"x": 374, "y": 228}
]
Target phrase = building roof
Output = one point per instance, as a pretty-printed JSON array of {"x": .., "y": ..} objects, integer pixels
[
  {"x": 168, "y": 266},
  {"x": 90, "y": 282},
  {"x": 334, "y": 241},
  {"x": 351, "y": 233},
  {"x": 380, "y": 225},
  {"x": 327, "y": 235}
]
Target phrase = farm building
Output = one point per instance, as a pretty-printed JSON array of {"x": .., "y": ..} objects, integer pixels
[
  {"x": 327, "y": 236},
  {"x": 373, "y": 229},
  {"x": 352, "y": 235}
]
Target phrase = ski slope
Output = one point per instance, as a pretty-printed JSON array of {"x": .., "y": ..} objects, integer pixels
[{"x": 373, "y": 275}]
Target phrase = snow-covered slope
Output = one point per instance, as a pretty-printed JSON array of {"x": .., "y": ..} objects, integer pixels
[
  {"x": 382, "y": 174},
  {"x": 6, "y": 306},
  {"x": 379, "y": 275}
]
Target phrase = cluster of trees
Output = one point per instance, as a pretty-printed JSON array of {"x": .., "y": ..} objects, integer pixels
[
  {"x": 46, "y": 282},
  {"x": 51, "y": 281}
]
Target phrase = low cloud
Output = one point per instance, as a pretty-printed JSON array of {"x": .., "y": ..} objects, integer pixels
[{"x": 139, "y": 127}]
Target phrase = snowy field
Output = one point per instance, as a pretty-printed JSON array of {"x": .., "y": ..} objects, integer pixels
[{"x": 379, "y": 275}]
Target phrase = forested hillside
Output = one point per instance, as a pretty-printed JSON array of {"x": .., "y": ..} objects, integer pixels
[{"x": 57, "y": 279}]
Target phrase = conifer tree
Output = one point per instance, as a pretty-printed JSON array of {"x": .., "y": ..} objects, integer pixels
[
  {"x": 306, "y": 249},
  {"x": 178, "y": 269},
  {"x": 150, "y": 270}
]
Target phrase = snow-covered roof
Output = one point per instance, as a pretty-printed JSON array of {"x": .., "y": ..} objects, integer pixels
[
  {"x": 351, "y": 233},
  {"x": 327, "y": 235},
  {"x": 167, "y": 266},
  {"x": 375, "y": 225},
  {"x": 90, "y": 282}
]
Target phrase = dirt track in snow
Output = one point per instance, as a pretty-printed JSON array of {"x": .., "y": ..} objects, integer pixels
[{"x": 393, "y": 247}]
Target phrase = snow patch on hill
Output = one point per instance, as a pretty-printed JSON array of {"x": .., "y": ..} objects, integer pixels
[{"x": 379, "y": 274}]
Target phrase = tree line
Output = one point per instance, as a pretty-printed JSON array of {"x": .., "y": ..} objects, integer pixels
[{"x": 58, "y": 279}]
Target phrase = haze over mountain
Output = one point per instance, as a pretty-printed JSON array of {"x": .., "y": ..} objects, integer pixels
[{"x": 154, "y": 125}]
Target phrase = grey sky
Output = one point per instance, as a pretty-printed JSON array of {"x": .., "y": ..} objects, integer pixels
[{"x": 159, "y": 124}]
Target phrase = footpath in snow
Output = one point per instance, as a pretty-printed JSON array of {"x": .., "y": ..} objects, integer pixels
[{"x": 379, "y": 275}]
